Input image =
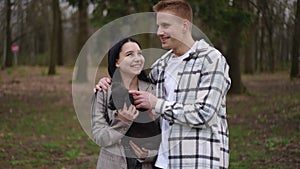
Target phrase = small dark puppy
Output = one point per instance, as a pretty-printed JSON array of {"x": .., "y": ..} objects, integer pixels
[
  {"x": 145, "y": 131},
  {"x": 119, "y": 96}
]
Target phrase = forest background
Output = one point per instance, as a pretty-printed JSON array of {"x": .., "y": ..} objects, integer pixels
[{"x": 41, "y": 40}]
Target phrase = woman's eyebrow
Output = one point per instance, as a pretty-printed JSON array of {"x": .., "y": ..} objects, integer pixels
[{"x": 130, "y": 51}]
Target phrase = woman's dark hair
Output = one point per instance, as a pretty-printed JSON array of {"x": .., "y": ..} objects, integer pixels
[
  {"x": 120, "y": 94},
  {"x": 113, "y": 56}
]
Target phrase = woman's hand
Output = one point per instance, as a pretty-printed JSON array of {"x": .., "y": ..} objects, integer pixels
[
  {"x": 128, "y": 115},
  {"x": 141, "y": 153}
]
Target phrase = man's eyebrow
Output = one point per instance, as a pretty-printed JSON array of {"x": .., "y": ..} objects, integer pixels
[{"x": 163, "y": 23}]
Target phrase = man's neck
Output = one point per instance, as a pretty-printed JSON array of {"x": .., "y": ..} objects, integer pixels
[{"x": 183, "y": 47}]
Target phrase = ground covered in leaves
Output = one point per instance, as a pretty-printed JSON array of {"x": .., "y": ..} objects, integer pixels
[{"x": 39, "y": 127}]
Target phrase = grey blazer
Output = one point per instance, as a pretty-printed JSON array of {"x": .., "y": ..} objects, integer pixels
[{"x": 108, "y": 136}]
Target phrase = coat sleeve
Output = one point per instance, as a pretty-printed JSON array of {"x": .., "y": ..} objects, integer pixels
[
  {"x": 213, "y": 86},
  {"x": 104, "y": 133}
]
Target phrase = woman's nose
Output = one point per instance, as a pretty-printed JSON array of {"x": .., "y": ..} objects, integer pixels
[{"x": 138, "y": 58}]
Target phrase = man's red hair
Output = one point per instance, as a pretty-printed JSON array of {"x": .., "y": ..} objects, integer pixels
[{"x": 180, "y": 8}]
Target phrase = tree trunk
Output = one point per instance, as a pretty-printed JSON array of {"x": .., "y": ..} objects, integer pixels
[
  {"x": 249, "y": 52},
  {"x": 233, "y": 53},
  {"x": 262, "y": 49},
  {"x": 81, "y": 74},
  {"x": 257, "y": 47},
  {"x": 282, "y": 40},
  {"x": 20, "y": 21},
  {"x": 280, "y": 37},
  {"x": 7, "y": 54},
  {"x": 271, "y": 51},
  {"x": 249, "y": 44},
  {"x": 234, "y": 63},
  {"x": 60, "y": 59},
  {"x": 296, "y": 43},
  {"x": 54, "y": 37},
  {"x": 268, "y": 17}
]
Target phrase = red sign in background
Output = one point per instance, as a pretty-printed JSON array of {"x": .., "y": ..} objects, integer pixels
[{"x": 14, "y": 48}]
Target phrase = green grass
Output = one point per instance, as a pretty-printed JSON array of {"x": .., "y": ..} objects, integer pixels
[
  {"x": 39, "y": 136},
  {"x": 273, "y": 142},
  {"x": 266, "y": 126},
  {"x": 73, "y": 153},
  {"x": 39, "y": 131}
]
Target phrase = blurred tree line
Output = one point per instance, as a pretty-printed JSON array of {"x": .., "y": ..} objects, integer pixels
[{"x": 255, "y": 35}]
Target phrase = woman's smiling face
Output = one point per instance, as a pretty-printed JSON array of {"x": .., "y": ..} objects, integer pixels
[{"x": 131, "y": 61}]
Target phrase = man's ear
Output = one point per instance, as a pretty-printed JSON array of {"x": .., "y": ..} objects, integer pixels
[{"x": 186, "y": 25}]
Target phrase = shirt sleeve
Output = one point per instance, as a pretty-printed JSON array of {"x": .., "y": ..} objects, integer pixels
[
  {"x": 213, "y": 86},
  {"x": 157, "y": 67},
  {"x": 153, "y": 75}
]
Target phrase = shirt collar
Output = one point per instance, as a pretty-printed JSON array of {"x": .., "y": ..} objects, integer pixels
[{"x": 197, "y": 48}]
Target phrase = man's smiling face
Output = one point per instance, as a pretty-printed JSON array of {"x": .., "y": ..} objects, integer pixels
[{"x": 169, "y": 29}]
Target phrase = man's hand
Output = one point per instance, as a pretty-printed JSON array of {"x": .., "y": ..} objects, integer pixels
[
  {"x": 128, "y": 115},
  {"x": 143, "y": 99},
  {"x": 102, "y": 84},
  {"x": 141, "y": 153}
]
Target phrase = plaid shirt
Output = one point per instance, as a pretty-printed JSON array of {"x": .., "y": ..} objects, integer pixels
[{"x": 198, "y": 135}]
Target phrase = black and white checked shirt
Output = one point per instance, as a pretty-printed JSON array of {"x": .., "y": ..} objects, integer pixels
[{"x": 199, "y": 134}]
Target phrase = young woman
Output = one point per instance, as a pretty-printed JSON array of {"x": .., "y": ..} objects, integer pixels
[{"x": 129, "y": 138}]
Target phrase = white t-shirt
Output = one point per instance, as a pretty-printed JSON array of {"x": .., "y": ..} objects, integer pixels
[{"x": 170, "y": 84}]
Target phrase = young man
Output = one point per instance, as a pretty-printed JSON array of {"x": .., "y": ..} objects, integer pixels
[{"x": 192, "y": 82}]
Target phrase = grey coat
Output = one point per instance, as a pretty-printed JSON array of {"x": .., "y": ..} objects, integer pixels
[{"x": 108, "y": 136}]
